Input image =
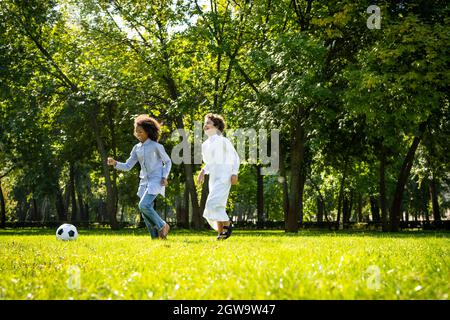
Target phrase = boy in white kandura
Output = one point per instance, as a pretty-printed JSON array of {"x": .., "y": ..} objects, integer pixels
[
  {"x": 155, "y": 168},
  {"x": 222, "y": 164}
]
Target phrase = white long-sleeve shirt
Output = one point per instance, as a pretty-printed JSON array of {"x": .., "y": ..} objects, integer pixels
[
  {"x": 155, "y": 165},
  {"x": 221, "y": 162},
  {"x": 220, "y": 157}
]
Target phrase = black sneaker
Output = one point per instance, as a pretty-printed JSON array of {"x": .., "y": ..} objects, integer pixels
[{"x": 227, "y": 232}]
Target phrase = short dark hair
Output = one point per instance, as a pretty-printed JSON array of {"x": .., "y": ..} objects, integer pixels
[
  {"x": 218, "y": 121},
  {"x": 150, "y": 126}
]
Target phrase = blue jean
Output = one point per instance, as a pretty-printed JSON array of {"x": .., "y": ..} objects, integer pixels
[{"x": 152, "y": 219}]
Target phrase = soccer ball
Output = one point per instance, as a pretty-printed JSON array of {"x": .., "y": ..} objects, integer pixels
[{"x": 66, "y": 232}]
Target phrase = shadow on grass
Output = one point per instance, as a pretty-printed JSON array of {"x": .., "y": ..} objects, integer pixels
[{"x": 237, "y": 232}]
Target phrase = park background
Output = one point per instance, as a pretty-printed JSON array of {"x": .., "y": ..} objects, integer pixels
[{"x": 363, "y": 115}]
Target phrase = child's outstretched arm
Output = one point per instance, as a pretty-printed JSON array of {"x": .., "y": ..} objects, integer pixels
[{"x": 128, "y": 165}]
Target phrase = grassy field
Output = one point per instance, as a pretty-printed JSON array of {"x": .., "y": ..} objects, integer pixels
[{"x": 103, "y": 264}]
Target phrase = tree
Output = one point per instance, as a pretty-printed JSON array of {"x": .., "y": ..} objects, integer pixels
[{"x": 398, "y": 88}]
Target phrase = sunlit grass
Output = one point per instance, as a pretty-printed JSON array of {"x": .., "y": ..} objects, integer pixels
[{"x": 102, "y": 264}]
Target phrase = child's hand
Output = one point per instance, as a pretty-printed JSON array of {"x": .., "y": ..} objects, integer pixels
[
  {"x": 111, "y": 161},
  {"x": 201, "y": 177},
  {"x": 164, "y": 182},
  {"x": 234, "y": 179}
]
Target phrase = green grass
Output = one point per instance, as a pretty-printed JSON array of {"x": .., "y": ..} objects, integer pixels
[{"x": 250, "y": 265}]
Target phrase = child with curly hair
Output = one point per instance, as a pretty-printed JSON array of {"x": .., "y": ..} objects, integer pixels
[{"x": 155, "y": 168}]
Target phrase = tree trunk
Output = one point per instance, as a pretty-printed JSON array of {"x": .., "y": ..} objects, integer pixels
[
  {"x": 284, "y": 183},
  {"x": 110, "y": 197},
  {"x": 190, "y": 186},
  {"x": 81, "y": 207},
  {"x": 188, "y": 167},
  {"x": 103, "y": 213},
  {"x": 434, "y": 202},
  {"x": 259, "y": 196},
  {"x": 383, "y": 202},
  {"x": 401, "y": 182},
  {"x": 350, "y": 208},
  {"x": 374, "y": 209},
  {"x": 345, "y": 211},
  {"x": 205, "y": 192},
  {"x": 321, "y": 199},
  {"x": 122, "y": 215},
  {"x": 217, "y": 80},
  {"x": 35, "y": 211},
  {"x": 86, "y": 212},
  {"x": 2, "y": 208},
  {"x": 178, "y": 205},
  {"x": 297, "y": 152},
  {"x": 60, "y": 209},
  {"x": 360, "y": 208},
  {"x": 114, "y": 150},
  {"x": 74, "y": 216},
  {"x": 182, "y": 217},
  {"x": 67, "y": 193},
  {"x": 21, "y": 212},
  {"x": 341, "y": 194},
  {"x": 320, "y": 206},
  {"x": 302, "y": 188},
  {"x": 185, "y": 210},
  {"x": 44, "y": 210}
]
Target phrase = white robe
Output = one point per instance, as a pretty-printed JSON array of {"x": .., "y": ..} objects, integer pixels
[{"x": 221, "y": 162}]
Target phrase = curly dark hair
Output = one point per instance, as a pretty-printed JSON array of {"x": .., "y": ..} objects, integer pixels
[
  {"x": 218, "y": 121},
  {"x": 150, "y": 126}
]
